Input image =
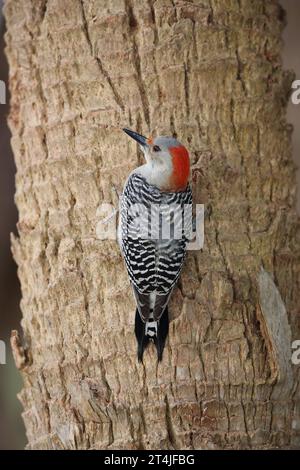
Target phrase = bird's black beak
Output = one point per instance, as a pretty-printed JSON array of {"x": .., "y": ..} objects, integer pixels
[{"x": 138, "y": 137}]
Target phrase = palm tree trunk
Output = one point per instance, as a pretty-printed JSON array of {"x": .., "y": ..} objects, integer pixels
[{"x": 210, "y": 72}]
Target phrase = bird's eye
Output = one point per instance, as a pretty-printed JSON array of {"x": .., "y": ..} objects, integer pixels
[{"x": 156, "y": 148}]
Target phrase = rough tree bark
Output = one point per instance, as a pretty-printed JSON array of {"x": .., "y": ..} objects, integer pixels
[{"x": 209, "y": 71}]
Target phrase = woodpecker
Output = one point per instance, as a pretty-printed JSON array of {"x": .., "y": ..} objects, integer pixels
[{"x": 154, "y": 257}]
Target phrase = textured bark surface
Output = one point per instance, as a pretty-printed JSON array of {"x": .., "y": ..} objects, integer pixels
[{"x": 209, "y": 71}]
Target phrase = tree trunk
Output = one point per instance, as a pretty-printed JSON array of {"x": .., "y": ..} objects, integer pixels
[{"x": 210, "y": 72}]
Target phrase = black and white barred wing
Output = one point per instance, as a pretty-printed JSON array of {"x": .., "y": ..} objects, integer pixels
[
  {"x": 139, "y": 250},
  {"x": 154, "y": 228}
]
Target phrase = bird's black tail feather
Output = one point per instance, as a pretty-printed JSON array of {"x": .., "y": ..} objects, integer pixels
[
  {"x": 159, "y": 339},
  {"x": 162, "y": 333},
  {"x": 141, "y": 338}
]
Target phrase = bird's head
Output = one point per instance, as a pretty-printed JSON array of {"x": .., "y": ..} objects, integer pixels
[{"x": 168, "y": 163}]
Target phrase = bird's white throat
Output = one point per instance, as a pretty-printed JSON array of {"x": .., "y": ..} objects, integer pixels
[{"x": 156, "y": 173}]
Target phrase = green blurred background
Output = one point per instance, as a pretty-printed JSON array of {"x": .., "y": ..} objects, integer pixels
[{"x": 12, "y": 432}]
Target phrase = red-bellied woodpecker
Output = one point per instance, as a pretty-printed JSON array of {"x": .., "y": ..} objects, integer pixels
[{"x": 154, "y": 223}]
